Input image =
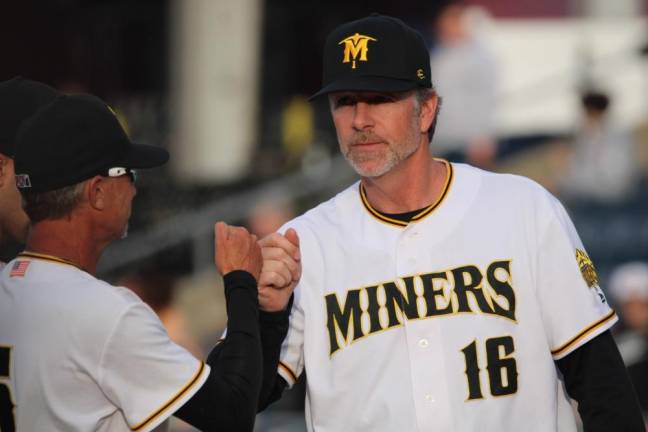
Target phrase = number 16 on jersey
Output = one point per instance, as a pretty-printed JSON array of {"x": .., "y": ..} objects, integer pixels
[{"x": 500, "y": 365}]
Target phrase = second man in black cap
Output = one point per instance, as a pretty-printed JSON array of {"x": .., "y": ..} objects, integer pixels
[{"x": 77, "y": 353}]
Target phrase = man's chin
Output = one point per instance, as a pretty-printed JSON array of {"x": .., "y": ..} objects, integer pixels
[{"x": 370, "y": 169}]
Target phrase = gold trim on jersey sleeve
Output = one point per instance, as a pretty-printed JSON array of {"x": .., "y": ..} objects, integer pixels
[
  {"x": 194, "y": 379},
  {"x": 419, "y": 216},
  {"x": 583, "y": 334},
  {"x": 283, "y": 366}
]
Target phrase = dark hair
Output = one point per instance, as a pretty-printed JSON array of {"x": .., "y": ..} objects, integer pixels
[{"x": 54, "y": 204}]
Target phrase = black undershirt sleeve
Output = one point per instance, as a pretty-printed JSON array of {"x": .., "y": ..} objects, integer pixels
[
  {"x": 273, "y": 327},
  {"x": 274, "y": 393},
  {"x": 596, "y": 378},
  {"x": 227, "y": 401}
]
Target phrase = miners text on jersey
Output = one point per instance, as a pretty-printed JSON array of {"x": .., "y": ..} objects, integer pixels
[{"x": 375, "y": 308}]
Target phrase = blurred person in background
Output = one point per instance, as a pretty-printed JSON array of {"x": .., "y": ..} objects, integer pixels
[
  {"x": 269, "y": 215},
  {"x": 465, "y": 75},
  {"x": 629, "y": 289},
  {"x": 601, "y": 166},
  {"x": 19, "y": 99}
]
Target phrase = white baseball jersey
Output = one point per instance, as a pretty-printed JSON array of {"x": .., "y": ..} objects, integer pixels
[
  {"x": 78, "y": 354},
  {"x": 451, "y": 322}
]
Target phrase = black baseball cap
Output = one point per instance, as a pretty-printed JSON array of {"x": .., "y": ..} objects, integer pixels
[
  {"x": 20, "y": 98},
  {"x": 73, "y": 139},
  {"x": 376, "y": 53}
]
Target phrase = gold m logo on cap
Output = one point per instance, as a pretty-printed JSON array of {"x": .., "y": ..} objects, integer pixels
[{"x": 355, "y": 46}]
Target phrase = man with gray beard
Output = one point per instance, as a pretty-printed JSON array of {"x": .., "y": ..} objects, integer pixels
[{"x": 436, "y": 296}]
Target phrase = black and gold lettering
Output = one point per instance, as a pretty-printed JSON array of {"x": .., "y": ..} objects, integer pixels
[
  {"x": 430, "y": 294},
  {"x": 406, "y": 303},
  {"x": 345, "y": 320},
  {"x": 502, "y": 288},
  {"x": 472, "y": 371},
  {"x": 502, "y": 368},
  {"x": 472, "y": 285},
  {"x": 492, "y": 294},
  {"x": 373, "y": 308}
]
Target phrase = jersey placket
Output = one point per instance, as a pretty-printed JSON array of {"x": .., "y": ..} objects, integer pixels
[{"x": 425, "y": 345}]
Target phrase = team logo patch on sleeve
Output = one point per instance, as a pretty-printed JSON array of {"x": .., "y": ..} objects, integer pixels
[
  {"x": 587, "y": 268},
  {"x": 19, "y": 268}
]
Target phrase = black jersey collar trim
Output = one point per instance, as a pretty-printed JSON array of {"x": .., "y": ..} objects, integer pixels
[{"x": 417, "y": 217}]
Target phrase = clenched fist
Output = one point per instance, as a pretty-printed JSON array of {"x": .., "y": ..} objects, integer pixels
[
  {"x": 281, "y": 270},
  {"x": 236, "y": 249}
]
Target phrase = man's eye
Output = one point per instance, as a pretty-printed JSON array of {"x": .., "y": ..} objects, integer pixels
[
  {"x": 379, "y": 99},
  {"x": 345, "y": 101}
]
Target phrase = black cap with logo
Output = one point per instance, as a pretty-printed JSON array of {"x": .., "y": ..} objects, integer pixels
[
  {"x": 19, "y": 99},
  {"x": 73, "y": 139},
  {"x": 376, "y": 53}
]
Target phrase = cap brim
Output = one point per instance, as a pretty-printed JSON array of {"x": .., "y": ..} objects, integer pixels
[
  {"x": 145, "y": 156},
  {"x": 366, "y": 83}
]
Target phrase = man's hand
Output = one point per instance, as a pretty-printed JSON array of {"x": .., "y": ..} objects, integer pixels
[
  {"x": 236, "y": 249},
  {"x": 281, "y": 270}
]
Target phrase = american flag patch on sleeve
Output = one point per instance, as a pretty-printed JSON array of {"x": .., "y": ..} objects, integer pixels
[{"x": 19, "y": 268}]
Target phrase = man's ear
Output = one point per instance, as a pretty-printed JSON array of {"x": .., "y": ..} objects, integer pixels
[
  {"x": 429, "y": 108},
  {"x": 95, "y": 191}
]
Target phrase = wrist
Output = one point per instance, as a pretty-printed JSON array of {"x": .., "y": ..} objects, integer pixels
[
  {"x": 278, "y": 310},
  {"x": 239, "y": 278}
]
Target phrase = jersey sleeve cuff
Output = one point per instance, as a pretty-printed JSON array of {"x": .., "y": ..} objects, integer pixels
[
  {"x": 239, "y": 278},
  {"x": 587, "y": 334},
  {"x": 175, "y": 402},
  {"x": 279, "y": 317},
  {"x": 287, "y": 374}
]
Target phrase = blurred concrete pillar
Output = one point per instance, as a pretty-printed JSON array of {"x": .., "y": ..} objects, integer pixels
[
  {"x": 611, "y": 8},
  {"x": 215, "y": 49}
]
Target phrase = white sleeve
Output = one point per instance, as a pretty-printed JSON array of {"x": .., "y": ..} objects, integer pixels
[
  {"x": 146, "y": 374},
  {"x": 291, "y": 357},
  {"x": 573, "y": 306}
]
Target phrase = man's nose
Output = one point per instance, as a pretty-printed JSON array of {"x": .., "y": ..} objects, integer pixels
[{"x": 362, "y": 117}]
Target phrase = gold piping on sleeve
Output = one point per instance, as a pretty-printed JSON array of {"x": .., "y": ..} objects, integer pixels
[
  {"x": 194, "y": 379},
  {"x": 289, "y": 371},
  {"x": 423, "y": 213},
  {"x": 580, "y": 336}
]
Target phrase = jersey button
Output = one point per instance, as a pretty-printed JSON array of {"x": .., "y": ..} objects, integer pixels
[
  {"x": 423, "y": 343},
  {"x": 429, "y": 398}
]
